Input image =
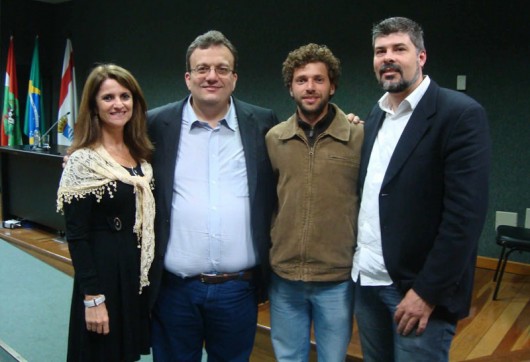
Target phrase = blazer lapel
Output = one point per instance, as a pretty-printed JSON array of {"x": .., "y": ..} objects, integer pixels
[
  {"x": 171, "y": 138},
  {"x": 373, "y": 124},
  {"x": 249, "y": 132},
  {"x": 416, "y": 127}
]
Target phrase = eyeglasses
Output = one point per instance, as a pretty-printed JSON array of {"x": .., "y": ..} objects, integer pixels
[{"x": 205, "y": 69}]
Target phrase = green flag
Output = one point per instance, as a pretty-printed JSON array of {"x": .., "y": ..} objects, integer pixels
[{"x": 33, "y": 120}]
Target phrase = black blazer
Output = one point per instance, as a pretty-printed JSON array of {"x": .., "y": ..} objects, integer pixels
[
  {"x": 433, "y": 199},
  {"x": 164, "y": 125}
]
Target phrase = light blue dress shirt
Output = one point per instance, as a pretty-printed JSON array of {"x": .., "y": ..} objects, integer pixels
[{"x": 210, "y": 217}]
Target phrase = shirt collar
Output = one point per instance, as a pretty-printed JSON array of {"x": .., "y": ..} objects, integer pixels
[
  {"x": 190, "y": 119},
  {"x": 337, "y": 128},
  {"x": 410, "y": 102}
]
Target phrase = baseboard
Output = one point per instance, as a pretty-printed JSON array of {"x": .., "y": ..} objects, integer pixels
[
  {"x": 511, "y": 267},
  {"x": 41, "y": 244},
  {"x": 8, "y": 354}
]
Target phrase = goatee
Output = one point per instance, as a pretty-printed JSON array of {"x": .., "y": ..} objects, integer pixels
[{"x": 402, "y": 84}]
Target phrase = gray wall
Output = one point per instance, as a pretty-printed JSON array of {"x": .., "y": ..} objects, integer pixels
[{"x": 485, "y": 40}]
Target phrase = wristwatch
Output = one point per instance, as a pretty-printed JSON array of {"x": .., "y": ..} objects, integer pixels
[{"x": 94, "y": 302}]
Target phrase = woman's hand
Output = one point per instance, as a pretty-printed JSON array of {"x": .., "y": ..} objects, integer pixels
[
  {"x": 65, "y": 160},
  {"x": 97, "y": 319}
]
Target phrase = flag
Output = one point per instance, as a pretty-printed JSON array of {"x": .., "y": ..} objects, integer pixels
[
  {"x": 10, "y": 127},
  {"x": 33, "y": 120},
  {"x": 67, "y": 99}
]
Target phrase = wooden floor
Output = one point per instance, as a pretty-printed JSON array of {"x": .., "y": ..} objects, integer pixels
[{"x": 495, "y": 331}]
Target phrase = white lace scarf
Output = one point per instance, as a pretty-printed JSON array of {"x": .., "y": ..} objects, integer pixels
[{"x": 94, "y": 171}]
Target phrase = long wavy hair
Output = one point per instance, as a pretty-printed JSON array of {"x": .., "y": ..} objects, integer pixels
[{"x": 87, "y": 130}]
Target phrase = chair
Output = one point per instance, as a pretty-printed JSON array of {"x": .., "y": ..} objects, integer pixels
[{"x": 510, "y": 238}]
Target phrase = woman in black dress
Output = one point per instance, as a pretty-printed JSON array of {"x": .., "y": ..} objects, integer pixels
[{"x": 106, "y": 196}]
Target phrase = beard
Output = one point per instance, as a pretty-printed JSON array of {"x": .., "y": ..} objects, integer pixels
[
  {"x": 311, "y": 113},
  {"x": 315, "y": 111},
  {"x": 403, "y": 84}
]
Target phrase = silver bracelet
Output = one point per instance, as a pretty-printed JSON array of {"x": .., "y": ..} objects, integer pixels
[{"x": 94, "y": 302}]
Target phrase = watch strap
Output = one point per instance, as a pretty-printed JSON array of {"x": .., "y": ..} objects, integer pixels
[{"x": 94, "y": 302}]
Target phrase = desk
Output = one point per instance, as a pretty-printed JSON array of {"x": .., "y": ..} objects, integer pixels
[{"x": 28, "y": 184}]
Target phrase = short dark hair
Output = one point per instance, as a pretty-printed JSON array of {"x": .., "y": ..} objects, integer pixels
[
  {"x": 311, "y": 53},
  {"x": 208, "y": 39},
  {"x": 400, "y": 25}
]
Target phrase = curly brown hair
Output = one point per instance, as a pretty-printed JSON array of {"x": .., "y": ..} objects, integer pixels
[
  {"x": 87, "y": 130},
  {"x": 311, "y": 53}
]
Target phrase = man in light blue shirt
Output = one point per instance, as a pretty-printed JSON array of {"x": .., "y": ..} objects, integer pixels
[
  {"x": 212, "y": 185},
  {"x": 215, "y": 193}
]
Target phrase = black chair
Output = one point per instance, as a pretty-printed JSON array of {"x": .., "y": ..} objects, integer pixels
[{"x": 510, "y": 238}]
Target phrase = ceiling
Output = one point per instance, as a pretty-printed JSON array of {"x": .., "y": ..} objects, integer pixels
[{"x": 53, "y": 1}]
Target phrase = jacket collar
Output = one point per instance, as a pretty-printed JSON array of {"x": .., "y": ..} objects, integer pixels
[{"x": 339, "y": 127}]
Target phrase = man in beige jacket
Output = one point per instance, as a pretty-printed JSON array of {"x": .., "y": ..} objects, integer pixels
[{"x": 315, "y": 156}]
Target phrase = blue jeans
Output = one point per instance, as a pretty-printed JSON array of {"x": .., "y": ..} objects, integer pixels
[
  {"x": 189, "y": 314},
  {"x": 374, "y": 311},
  {"x": 295, "y": 304}
]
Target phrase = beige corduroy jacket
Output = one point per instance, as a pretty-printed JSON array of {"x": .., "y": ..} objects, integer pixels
[{"x": 315, "y": 226}]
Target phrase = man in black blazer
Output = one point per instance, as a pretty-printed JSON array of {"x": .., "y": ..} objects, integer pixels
[
  {"x": 424, "y": 185},
  {"x": 215, "y": 193}
]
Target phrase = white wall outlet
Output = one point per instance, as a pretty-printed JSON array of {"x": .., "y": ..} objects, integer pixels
[
  {"x": 505, "y": 218},
  {"x": 461, "y": 82}
]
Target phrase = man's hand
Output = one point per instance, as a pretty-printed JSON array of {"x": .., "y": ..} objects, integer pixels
[
  {"x": 411, "y": 312},
  {"x": 354, "y": 119}
]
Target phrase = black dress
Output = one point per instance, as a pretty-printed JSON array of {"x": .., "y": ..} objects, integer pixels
[{"x": 106, "y": 260}]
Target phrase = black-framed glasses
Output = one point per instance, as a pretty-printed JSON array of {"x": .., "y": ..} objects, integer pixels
[{"x": 205, "y": 69}]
